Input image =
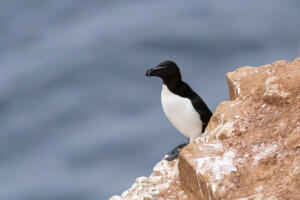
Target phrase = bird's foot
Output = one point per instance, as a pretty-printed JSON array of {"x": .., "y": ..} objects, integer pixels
[
  {"x": 177, "y": 148},
  {"x": 175, "y": 152},
  {"x": 172, "y": 156}
]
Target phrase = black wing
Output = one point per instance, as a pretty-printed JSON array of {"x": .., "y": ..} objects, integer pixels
[
  {"x": 184, "y": 90},
  {"x": 203, "y": 111}
]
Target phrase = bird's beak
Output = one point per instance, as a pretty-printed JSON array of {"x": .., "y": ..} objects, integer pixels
[{"x": 149, "y": 72}]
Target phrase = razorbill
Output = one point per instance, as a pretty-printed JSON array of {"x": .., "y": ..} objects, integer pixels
[{"x": 182, "y": 106}]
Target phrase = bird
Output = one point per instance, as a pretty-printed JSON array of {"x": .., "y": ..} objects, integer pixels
[{"x": 184, "y": 108}]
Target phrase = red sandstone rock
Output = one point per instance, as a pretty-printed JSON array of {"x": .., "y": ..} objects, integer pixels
[
  {"x": 255, "y": 139},
  {"x": 250, "y": 149}
]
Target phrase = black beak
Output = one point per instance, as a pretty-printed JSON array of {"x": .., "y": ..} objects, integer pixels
[{"x": 149, "y": 72}]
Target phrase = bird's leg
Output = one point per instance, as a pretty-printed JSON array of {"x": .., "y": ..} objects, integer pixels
[{"x": 175, "y": 152}]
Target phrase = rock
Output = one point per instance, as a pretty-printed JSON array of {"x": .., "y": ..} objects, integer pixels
[
  {"x": 250, "y": 149},
  {"x": 258, "y": 197},
  {"x": 163, "y": 183},
  {"x": 293, "y": 140}
]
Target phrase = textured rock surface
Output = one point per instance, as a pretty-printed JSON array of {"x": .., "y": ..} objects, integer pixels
[
  {"x": 251, "y": 147},
  {"x": 163, "y": 183}
]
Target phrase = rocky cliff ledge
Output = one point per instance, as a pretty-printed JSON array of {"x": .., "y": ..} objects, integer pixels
[{"x": 251, "y": 147}]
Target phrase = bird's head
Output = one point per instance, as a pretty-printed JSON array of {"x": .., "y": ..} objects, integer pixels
[{"x": 167, "y": 70}]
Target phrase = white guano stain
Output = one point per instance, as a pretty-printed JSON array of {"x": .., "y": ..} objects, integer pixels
[
  {"x": 163, "y": 168},
  {"x": 273, "y": 89},
  {"x": 228, "y": 127},
  {"x": 263, "y": 152},
  {"x": 218, "y": 166},
  {"x": 237, "y": 89},
  {"x": 209, "y": 197},
  {"x": 199, "y": 185},
  {"x": 160, "y": 180},
  {"x": 219, "y": 129},
  {"x": 216, "y": 146}
]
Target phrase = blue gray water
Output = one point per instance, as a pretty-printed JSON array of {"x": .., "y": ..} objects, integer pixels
[{"x": 78, "y": 118}]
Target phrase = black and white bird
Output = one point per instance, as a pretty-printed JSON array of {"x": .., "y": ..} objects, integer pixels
[{"x": 183, "y": 107}]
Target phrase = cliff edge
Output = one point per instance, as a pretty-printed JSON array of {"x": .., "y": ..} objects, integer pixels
[{"x": 250, "y": 149}]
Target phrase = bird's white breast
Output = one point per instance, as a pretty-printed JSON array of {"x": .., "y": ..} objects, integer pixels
[{"x": 181, "y": 113}]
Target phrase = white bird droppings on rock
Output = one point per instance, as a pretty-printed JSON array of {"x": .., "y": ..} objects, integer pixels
[
  {"x": 217, "y": 165},
  {"x": 263, "y": 152}
]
